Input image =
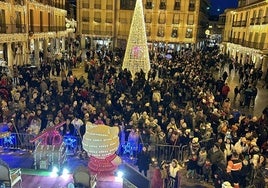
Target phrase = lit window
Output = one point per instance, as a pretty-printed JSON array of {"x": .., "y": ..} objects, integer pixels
[
  {"x": 192, "y": 5},
  {"x": 162, "y": 4},
  {"x": 149, "y": 4},
  {"x": 177, "y": 5},
  {"x": 161, "y": 31},
  {"x": 189, "y": 33},
  {"x": 127, "y": 4},
  {"x": 174, "y": 33}
]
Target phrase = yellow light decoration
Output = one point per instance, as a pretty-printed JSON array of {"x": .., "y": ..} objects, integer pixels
[
  {"x": 137, "y": 53},
  {"x": 100, "y": 140},
  {"x": 101, "y": 143}
]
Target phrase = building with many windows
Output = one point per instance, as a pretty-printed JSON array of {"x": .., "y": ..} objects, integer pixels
[
  {"x": 246, "y": 33},
  {"x": 29, "y": 28},
  {"x": 169, "y": 23}
]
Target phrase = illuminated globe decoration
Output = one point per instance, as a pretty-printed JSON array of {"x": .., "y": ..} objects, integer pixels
[
  {"x": 137, "y": 53},
  {"x": 101, "y": 143}
]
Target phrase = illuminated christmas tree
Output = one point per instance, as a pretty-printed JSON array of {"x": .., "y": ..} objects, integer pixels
[{"x": 137, "y": 54}]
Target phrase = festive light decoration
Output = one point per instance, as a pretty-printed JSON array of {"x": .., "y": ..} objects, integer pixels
[
  {"x": 50, "y": 148},
  {"x": 70, "y": 143},
  {"x": 10, "y": 140},
  {"x": 101, "y": 142},
  {"x": 137, "y": 54},
  {"x": 50, "y": 136}
]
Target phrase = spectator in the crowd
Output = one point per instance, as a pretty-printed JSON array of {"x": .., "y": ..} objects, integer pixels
[
  {"x": 143, "y": 161},
  {"x": 174, "y": 174}
]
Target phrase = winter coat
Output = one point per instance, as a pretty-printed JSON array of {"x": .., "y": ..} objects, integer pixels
[{"x": 143, "y": 160}]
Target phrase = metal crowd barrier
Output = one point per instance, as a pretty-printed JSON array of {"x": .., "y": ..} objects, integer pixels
[
  {"x": 18, "y": 141},
  {"x": 22, "y": 141},
  {"x": 74, "y": 145}
]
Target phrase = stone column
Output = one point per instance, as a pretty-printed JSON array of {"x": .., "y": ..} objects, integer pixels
[
  {"x": 45, "y": 45},
  {"x": 36, "y": 53},
  {"x": 25, "y": 53},
  {"x": 57, "y": 45},
  {"x": 10, "y": 55},
  {"x": 83, "y": 42},
  {"x": 264, "y": 66},
  {"x": 63, "y": 43}
]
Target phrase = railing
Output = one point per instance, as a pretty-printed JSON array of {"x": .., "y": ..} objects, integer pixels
[
  {"x": 74, "y": 145},
  {"x": 243, "y": 23},
  {"x": 12, "y": 28},
  {"x": 265, "y": 20},
  {"x": 18, "y": 141},
  {"x": 258, "y": 21},
  {"x": 22, "y": 141},
  {"x": 46, "y": 28},
  {"x": 109, "y": 7},
  {"x": 85, "y": 5},
  {"x": 252, "y": 21}
]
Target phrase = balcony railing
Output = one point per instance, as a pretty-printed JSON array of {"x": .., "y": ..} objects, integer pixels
[
  {"x": 96, "y": 32},
  {"x": 85, "y": 31},
  {"x": 148, "y": 20},
  {"x": 19, "y": 2},
  {"x": 50, "y": 3},
  {"x": 38, "y": 29},
  {"x": 109, "y": 7},
  {"x": 85, "y": 5},
  {"x": 97, "y": 6},
  {"x": 99, "y": 32},
  {"x": 12, "y": 28},
  {"x": 258, "y": 21},
  {"x": 97, "y": 20},
  {"x": 252, "y": 21},
  {"x": 237, "y": 24},
  {"x": 243, "y": 23},
  {"x": 85, "y": 19},
  {"x": 265, "y": 20},
  {"x": 109, "y": 20}
]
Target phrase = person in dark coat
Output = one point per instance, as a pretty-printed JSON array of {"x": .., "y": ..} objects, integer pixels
[{"x": 143, "y": 161}]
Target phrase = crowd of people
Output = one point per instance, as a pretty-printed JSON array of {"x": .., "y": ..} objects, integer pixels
[{"x": 179, "y": 102}]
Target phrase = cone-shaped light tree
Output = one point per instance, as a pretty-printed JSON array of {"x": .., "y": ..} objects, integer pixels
[{"x": 137, "y": 54}]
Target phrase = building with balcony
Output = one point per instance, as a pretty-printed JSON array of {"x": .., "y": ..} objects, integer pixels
[
  {"x": 246, "y": 33},
  {"x": 28, "y": 27},
  {"x": 169, "y": 23}
]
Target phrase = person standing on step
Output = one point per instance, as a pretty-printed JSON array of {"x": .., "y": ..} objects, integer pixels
[{"x": 143, "y": 161}]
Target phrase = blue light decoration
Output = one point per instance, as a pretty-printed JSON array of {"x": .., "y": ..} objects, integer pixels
[
  {"x": 130, "y": 148},
  {"x": 71, "y": 144},
  {"x": 10, "y": 140}
]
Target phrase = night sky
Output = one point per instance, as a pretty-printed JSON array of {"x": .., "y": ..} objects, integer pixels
[{"x": 218, "y": 6}]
